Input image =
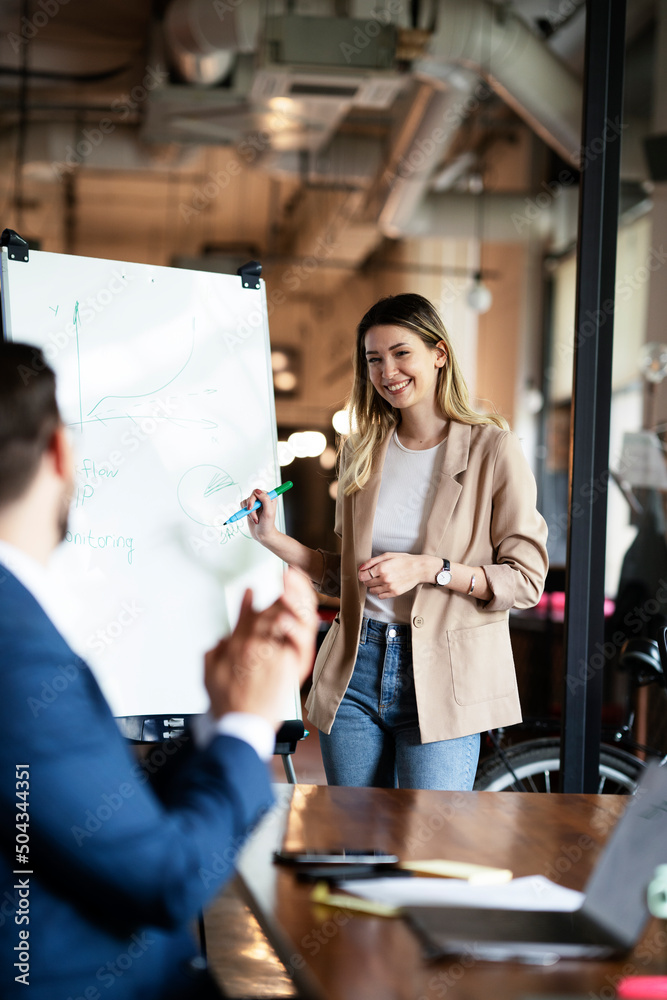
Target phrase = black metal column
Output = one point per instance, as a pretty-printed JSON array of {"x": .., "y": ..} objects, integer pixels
[{"x": 591, "y": 395}]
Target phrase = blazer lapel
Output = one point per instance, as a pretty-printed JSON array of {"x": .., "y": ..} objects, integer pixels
[
  {"x": 364, "y": 503},
  {"x": 447, "y": 489}
]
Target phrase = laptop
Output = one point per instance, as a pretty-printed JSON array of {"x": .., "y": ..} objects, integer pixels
[{"x": 609, "y": 921}]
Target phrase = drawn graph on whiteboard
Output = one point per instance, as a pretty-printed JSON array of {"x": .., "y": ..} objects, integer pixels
[{"x": 204, "y": 493}]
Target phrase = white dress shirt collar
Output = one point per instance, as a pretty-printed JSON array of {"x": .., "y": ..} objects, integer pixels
[{"x": 39, "y": 580}]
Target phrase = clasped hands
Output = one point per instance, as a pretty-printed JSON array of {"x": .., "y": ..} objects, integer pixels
[{"x": 266, "y": 654}]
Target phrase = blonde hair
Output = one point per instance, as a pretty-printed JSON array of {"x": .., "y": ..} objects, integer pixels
[{"x": 371, "y": 416}]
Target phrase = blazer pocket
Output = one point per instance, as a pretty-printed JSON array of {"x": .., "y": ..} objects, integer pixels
[
  {"x": 325, "y": 649},
  {"x": 482, "y": 663}
]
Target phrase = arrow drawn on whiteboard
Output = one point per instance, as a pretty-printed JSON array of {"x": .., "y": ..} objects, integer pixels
[
  {"x": 218, "y": 482},
  {"x": 140, "y": 395},
  {"x": 179, "y": 421}
]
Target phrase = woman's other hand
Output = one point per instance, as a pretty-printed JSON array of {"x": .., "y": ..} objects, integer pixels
[{"x": 395, "y": 573}]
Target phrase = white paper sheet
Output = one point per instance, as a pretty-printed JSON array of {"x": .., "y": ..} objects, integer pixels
[{"x": 532, "y": 892}]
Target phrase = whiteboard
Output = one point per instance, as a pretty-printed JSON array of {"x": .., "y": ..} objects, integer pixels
[{"x": 164, "y": 381}]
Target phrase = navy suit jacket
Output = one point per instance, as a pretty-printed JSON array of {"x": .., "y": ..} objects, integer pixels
[{"x": 121, "y": 856}]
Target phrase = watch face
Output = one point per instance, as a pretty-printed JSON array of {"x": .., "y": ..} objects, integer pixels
[{"x": 444, "y": 577}]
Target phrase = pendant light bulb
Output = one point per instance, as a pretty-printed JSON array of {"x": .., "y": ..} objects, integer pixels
[{"x": 479, "y": 296}]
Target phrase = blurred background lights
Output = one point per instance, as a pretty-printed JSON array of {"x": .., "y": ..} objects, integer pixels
[
  {"x": 533, "y": 398},
  {"x": 285, "y": 381},
  {"x": 285, "y": 364},
  {"x": 653, "y": 361},
  {"x": 307, "y": 444},
  {"x": 328, "y": 458},
  {"x": 297, "y": 444},
  {"x": 333, "y": 489},
  {"x": 279, "y": 361},
  {"x": 341, "y": 421},
  {"x": 316, "y": 442},
  {"x": 285, "y": 453}
]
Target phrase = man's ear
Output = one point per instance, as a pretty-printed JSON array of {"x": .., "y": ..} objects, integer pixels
[{"x": 60, "y": 452}]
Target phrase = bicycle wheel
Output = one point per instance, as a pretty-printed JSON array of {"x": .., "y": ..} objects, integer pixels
[{"x": 536, "y": 765}]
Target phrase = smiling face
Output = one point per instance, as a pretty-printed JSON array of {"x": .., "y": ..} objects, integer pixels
[{"x": 402, "y": 368}]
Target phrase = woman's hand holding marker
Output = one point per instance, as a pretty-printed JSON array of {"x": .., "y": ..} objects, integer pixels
[{"x": 260, "y": 498}]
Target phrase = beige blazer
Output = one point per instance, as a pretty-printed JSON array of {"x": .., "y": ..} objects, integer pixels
[{"x": 483, "y": 515}]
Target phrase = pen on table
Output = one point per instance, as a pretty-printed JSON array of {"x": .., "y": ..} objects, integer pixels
[{"x": 246, "y": 510}]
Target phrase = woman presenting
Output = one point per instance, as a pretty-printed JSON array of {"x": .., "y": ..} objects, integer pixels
[{"x": 440, "y": 538}]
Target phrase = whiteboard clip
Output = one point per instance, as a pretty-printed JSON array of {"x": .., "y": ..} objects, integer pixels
[
  {"x": 17, "y": 247},
  {"x": 250, "y": 273}
]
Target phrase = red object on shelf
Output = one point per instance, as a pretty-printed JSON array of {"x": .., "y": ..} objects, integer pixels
[{"x": 553, "y": 604}]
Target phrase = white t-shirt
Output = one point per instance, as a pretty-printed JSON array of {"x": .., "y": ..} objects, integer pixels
[{"x": 409, "y": 482}]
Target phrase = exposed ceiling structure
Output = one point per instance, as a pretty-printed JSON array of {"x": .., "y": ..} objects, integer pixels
[{"x": 361, "y": 122}]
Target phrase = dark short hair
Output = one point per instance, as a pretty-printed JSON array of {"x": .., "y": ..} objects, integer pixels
[{"x": 28, "y": 416}]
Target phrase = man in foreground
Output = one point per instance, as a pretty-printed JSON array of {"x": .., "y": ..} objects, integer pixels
[{"x": 102, "y": 907}]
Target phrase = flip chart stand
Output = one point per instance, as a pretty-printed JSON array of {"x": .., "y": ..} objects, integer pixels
[{"x": 153, "y": 365}]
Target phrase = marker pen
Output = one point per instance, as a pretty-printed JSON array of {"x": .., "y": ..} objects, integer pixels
[{"x": 246, "y": 510}]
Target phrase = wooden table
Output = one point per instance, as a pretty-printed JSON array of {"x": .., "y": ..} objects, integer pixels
[{"x": 339, "y": 956}]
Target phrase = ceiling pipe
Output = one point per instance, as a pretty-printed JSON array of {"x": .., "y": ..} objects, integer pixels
[
  {"x": 429, "y": 130},
  {"x": 508, "y": 218},
  {"x": 474, "y": 39},
  {"x": 498, "y": 46}
]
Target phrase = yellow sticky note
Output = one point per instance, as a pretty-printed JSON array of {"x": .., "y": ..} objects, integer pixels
[
  {"x": 323, "y": 897},
  {"x": 478, "y": 874}
]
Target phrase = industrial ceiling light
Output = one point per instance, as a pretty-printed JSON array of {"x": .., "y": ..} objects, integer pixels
[{"x": 479, "y": 296}]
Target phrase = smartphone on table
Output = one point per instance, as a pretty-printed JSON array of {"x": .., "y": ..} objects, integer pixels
[{"x": 335, "y": 856}]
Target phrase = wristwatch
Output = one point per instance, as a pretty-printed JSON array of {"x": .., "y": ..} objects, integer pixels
[{"x": 444, "y": 577}]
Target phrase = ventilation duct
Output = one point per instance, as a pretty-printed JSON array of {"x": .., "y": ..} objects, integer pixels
[{"x": 489, "y": 39}]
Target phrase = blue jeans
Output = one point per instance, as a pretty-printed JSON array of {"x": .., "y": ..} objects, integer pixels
[{"x": 375, "y": 737}]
